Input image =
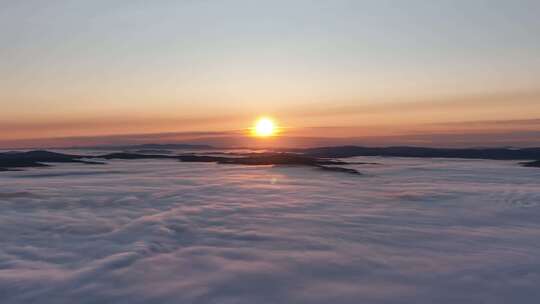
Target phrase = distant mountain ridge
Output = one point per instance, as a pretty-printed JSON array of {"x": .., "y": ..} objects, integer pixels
[
  {"x": 15, "y": 160},
  {"x": 148, "y": 147},
  {"x": 172, "y": 146},
  {"x": 472, "y": 153},
  {"x": 535, "y": 164}
]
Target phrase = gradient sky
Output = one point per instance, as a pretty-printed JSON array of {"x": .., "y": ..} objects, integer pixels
[{"x": 333, "y": 69}]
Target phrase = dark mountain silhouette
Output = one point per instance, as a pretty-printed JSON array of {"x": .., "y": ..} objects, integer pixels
[
  {"x": 201, "y": 158},
  {"x": 10, "y": 160},
  {"x": 147, "y": 147},
  {"x": 480, "y": 153},
  {"x": 250, "y": 160},
  {"x": 152, "y": 151},
  {"x": 314, "y": 157},
  {"x": 127, "y": 155},
  {"x": 535, "y": 163},
  {"x": 13, "y": 160},
  {"x": 280, "y": 159},
  {"x": 340, "y": 169},
  {"x": 171, "y": 146}
]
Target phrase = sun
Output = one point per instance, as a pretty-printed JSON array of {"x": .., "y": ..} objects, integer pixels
[{"x": 264, "y": 127}]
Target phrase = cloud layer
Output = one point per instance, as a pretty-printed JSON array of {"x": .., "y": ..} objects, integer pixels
[{"x": 410, "y": 231}]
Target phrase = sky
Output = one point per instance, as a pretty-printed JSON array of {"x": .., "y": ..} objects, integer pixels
[{"x": 330, "y": 72}]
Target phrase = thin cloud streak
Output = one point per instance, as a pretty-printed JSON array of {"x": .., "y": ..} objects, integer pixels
[
  {"x": 423, "y": 104},
  {"x": 120, "y": 139}
]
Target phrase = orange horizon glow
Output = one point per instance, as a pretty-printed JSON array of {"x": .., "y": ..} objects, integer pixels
[{"x": 373, "y": 119}]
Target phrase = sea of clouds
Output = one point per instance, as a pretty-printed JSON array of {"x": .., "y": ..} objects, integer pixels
[{"x": 160, "y": 231}]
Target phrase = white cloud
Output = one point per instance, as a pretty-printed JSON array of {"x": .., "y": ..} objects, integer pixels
[{"x": 409, "y": 231}]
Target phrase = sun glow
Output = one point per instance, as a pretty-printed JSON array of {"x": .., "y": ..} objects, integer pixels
[{"x": 264, "y": 127}]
